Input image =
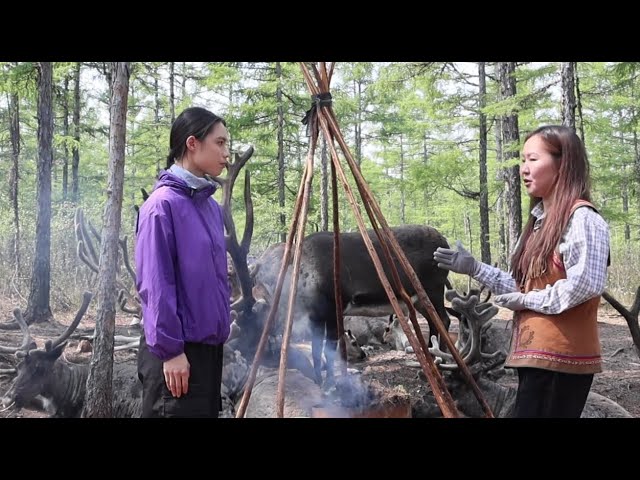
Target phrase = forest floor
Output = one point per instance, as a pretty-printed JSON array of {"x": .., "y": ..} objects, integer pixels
[{"x": 619, "y": 381}]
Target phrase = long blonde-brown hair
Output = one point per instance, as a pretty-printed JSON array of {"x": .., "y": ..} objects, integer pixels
[{"x": 572, "y": 183}]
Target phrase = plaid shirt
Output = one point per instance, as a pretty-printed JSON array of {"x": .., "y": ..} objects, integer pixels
[{"x": 584, "y": 248}]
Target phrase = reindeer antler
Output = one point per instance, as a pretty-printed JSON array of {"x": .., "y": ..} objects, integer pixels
[
  {"x": 473, "y": 322},
  {"x": 239, "y": 252},
  {"x": 27, "y": 341},
  {"x": 86, "y": 253},
  {"x": 631, "y": 315},
  {"x": 86, "y": 299}
]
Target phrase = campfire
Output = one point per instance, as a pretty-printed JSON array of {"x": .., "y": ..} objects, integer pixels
[{"x": 352, "y": 398}]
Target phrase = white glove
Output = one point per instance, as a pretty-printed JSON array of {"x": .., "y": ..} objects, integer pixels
[
  {"x": 459, "y": 261},
  {"x": 513, "y": 300}
]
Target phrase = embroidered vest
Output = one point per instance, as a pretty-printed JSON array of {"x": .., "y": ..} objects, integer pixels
[{"x": 566, "y": 342}]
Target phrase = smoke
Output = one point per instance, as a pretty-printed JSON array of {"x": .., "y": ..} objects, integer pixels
[
  {"x": 352, "y": 393},
  {"x": 348, "y": 396}
]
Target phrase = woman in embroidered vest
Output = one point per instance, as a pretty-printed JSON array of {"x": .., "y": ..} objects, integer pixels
[{"x": 558, "y": 272}]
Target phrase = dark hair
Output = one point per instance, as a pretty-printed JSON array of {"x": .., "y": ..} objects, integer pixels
[
  {"x": 196, "y": 121},
  {"x": 572, "y": 183}
]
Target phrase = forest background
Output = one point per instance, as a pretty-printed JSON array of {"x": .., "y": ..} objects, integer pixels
[{"x": 438, "y": 144}]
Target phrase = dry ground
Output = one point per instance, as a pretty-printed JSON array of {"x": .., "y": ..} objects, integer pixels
[{"x": 620, "y": 380}]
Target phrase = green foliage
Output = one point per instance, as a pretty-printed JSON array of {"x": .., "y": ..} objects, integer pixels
[{"x": 419, "y": 146}]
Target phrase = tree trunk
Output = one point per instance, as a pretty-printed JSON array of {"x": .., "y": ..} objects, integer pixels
[
  {"x": 402, "y": 187},
  {"x": 624, "y": 192},
  {"x": 625, "y": 205},
  {"x": 98, "y": 401},
  {"x": 14, "y": 135},
  {"x": 280, "y": 135},
  {"x": 172, "y": 94},
  {"x": 157, "y": 107},
  {"x": 579, "y": 126},
  {"x": 485, "y": 238},
  {"x": 425, "y": 162},
  {"x": 568, "y": 94},
  {"x": 65, "y": 132},
  {"x": 75, "y": 195},
  {"x": 358, "y": 126},
  {"x": 636, "y": 163},
  {"x": 38, "y": 307},
  {"x": 183, "y": 85},
  {"x": 500, "y": 177},
  {"x": 511, "y": 139}
]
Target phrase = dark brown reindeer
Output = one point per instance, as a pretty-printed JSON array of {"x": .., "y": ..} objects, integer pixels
[
  {"x": 315, "y": 300},
  {"x": 60, "y": 386}
]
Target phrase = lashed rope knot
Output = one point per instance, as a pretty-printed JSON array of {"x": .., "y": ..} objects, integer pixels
[{"x": 310, "y": 116}]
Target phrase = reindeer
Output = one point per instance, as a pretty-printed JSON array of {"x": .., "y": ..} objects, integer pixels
[
  {"x": 42, "y": 374},
  {"x": 360, "y": 286}
]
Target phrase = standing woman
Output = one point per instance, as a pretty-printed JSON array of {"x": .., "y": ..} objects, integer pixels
[
  {"x": 181, "y": 270},
  {"x": 558, "y": 273}
]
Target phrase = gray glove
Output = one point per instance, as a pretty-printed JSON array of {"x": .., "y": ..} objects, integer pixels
[
  {"x": 513, "y": 300},
  {"x": 459, "y": 261}
]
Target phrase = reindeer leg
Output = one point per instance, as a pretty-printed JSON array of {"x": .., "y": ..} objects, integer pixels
[
  {"x": 330, "y": 348},
  {"x": 317, "y": 340},
  {"x": 437, "y": 300}
]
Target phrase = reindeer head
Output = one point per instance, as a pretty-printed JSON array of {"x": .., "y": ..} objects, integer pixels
[
  {"x": 35, "y": 372},
  {"x": 354, "y": 351}
]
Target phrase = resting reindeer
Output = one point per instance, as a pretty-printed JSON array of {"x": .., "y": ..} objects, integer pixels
[
  {"x": 360, "y": 286},
  {"x": 43, "y": 374}
]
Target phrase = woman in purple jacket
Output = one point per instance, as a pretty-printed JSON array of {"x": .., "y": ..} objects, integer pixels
[{"x": 181, "y": 268}]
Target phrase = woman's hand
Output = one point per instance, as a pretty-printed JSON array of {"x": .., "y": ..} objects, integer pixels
[
  {"x": 459, "y": 261},
  {"x": 176, "y": 375}
]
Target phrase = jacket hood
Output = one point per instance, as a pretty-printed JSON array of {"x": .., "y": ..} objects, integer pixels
[{"x": 171, "y": 180}]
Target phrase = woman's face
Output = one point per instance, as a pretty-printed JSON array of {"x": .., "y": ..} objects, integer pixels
[
  {"x": 211, "y": 153},
  {"x": 539, "y": 170}
]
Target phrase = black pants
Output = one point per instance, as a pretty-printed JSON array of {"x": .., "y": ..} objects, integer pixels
[
  {"x": 547, "y": 394},
  {"x": 205, "y": 378}
]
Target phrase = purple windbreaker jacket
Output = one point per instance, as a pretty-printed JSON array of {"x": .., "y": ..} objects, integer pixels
[{"x": 181, "y": 268}]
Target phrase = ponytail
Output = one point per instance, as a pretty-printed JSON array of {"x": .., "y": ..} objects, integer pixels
[{"x": 170, "y": 161}]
